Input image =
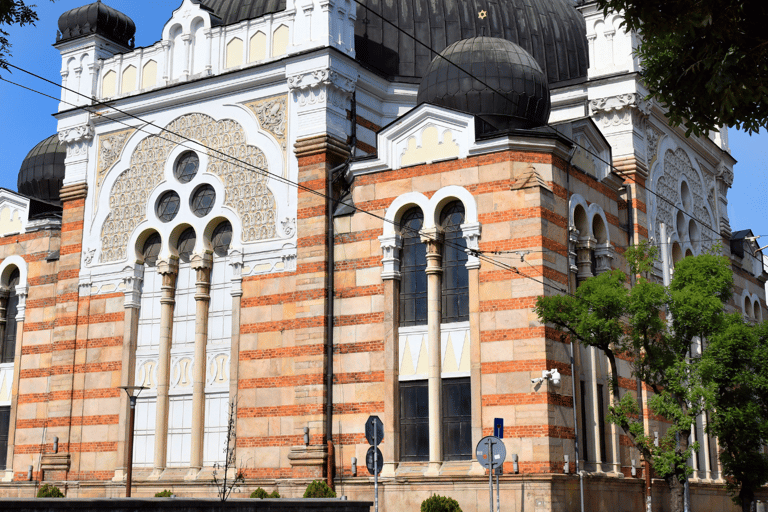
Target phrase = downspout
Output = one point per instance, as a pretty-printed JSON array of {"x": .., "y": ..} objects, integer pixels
[
  {"x": 333, "y": 175},
  {"x": 573, "y": 362}
]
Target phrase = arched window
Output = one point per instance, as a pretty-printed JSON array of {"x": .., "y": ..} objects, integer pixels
[
  {"x": 413, "y": 266},
  {"x": 11, "y": 309},
  {"x": 217, "y": 347},
  {"x": 455, "y": 275}
]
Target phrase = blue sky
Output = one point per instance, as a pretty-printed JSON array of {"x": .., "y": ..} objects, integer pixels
[{"x": 28, "y": 118}]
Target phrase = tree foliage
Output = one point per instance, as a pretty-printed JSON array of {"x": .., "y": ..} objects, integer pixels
[
  {"x": 319, "y": 489},
  {"x": 437, "y": 503},
  {"x": 607, "y": 314},
  {"x": 735, "y": 371},
  {"x": 49, "y": 491},
  {"x": 13, "y": 12},
  {"x": 706, "y": 61}
]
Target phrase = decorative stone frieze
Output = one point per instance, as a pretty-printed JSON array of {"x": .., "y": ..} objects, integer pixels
[
  {"x": 78, "y": 139},
  {"x": 619, "y": 110},
  {"x": 322, "y": 97}
]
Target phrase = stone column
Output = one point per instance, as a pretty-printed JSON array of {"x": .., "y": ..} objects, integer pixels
[
  {"x": 187, "y": 38},
  {"x": 584, "y": 258},
  {"x": 202, "y": 265},
  {"x": 169, "y": 270},
  {"x": 21, "y": 293},
  {"x": 432, "y": 238},
  {"x": 596, "y": 399},
  {"x": 705, "y": 444},
  {"x": 390, "y": 275},
  {"x": 131, "y": 306},
  {"x": 236, "y": 261},
  {"x": 471, "y": 233}
]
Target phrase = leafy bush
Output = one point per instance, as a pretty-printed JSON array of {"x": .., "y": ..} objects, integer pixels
[
  {"x": 259, "y": 493},
  {"x": 439, "y": 503},
  {"x": 163, "y": 494},
  {"x": 274, "y": 494},
  {"x": 319, "y": 489},
  {"x": 49, "y": 491}
]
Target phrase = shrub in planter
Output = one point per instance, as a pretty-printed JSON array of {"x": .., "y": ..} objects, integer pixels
[
  {"x": 274, "y": 494},
  {"x": 163, "y": 494},
  {"x": 319, "y": 489},
  {"x": 439, "y": 503},
  {"x": 49, "y": 491},
  {"x": 259, "y": 493}
]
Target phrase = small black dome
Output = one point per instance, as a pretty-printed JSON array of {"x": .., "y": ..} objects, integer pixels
[
  {"x": 97, "y": 18},
  {"x": 503, "y": 67},
  {"x": 42, "y": 171}
]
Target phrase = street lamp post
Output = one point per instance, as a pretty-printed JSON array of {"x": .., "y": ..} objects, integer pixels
[{"x": 131, "y": 421}]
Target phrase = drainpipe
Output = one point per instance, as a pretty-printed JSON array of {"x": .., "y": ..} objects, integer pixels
[
  {"x": 576, "y": 439},
  {"x": 333, "y": 175}
]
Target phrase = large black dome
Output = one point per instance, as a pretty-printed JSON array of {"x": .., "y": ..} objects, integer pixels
[
  {"x": 553, "y": 31},
  {"x": 97, "y": 18},
  {"x": 42, "y": 171},
  {"x": 507, "y": 88}
]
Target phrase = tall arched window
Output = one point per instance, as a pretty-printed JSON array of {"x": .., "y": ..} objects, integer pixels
[
  {"x": 455, "y": 274},
  {"x": 11, "y": 309},
  {"x": 218, "y": 347},
  {"x": 180, "y": 389},
  {"x": 413, "y": 266},
  {"x": 146, "y": 354}
]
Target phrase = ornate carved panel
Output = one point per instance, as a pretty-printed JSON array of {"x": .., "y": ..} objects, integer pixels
[
  {"x": 272, "y": 116},
  {"x": 246, "y": 188},
  {"x": 110, "y": 147}
]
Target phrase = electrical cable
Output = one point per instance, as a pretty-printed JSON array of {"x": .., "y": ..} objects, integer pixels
[
  {"x": 496, "y": 91},
  {"x": 229, "y": 159}
]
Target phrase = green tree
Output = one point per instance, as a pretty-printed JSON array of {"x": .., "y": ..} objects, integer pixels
[
  {"x": 13, "y": 12},
  {"x": 735, "y": 371},
  {"x": 706, "y": 61},
  {"x": 617, "y": 319}
]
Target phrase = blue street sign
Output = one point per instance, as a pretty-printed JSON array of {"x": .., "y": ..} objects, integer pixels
[{"x": 498, "y": 427}]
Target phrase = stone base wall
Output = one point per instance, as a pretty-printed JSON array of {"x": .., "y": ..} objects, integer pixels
[{"x": 519, "y": 493}]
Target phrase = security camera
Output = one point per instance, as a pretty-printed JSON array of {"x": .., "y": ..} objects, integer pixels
[{"x": 555, "y": 375}]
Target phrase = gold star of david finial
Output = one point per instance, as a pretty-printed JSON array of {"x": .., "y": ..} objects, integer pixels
[{"x": 482, "y": 14}]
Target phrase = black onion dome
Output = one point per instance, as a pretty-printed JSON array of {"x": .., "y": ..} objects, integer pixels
[
  {"x": 553, "y": 31},
  {"x": 42, "y": 171},
  {"x": 97, "y": 19},
  {"x": 235, "y": 11},
  {"x": 499, "y": 66}
]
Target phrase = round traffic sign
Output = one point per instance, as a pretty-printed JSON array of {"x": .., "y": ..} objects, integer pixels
[
  {"x": 491, "y": 452},
  {"x": 374, "y": 430},
  {"x": 369, "y": 463}
]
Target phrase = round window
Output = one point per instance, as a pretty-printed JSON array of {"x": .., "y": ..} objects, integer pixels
[
  {"x": 186, "y": 166},
  {"x": 186, "y": 244},
  {"x": 152, "y": 249},
  {"x": 222, "y": 237},
  {"x": 202, "y": 200},
  {"x": 168, "y": 206}
]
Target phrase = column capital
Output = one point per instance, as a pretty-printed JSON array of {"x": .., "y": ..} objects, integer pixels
[
  {"x": 201, "y": 261},
  {"x": 169, "y": 266},
  {"x": 134, "y": 275},
  {"x": 471, "y": 233},
  {"x": 390, "y": 247}
]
